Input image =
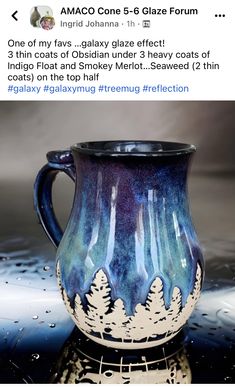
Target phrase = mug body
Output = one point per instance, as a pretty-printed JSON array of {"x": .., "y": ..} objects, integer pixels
[{"x": 129, "y": 264}]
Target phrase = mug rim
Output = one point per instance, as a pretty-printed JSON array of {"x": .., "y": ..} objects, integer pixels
[{"x": 110, "y": 148}]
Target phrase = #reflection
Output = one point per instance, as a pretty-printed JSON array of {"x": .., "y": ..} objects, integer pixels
[{"x": 83, "y": 361}]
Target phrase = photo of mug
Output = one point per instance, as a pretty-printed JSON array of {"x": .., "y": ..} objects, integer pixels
[{"x": 129, "y": 264}]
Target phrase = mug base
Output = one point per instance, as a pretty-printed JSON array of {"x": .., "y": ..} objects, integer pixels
[{"x": 128, "y": 345}]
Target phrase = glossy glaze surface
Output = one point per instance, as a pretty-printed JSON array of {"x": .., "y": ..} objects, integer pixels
[
  {"x": 131, "y": 218},
  {"x": 129, "y": 248}
]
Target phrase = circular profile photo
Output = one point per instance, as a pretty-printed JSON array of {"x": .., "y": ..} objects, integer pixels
[{"x": 47, "y": 22}]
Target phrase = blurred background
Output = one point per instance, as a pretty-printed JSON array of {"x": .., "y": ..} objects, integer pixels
[{"x": 29, "y": 129}]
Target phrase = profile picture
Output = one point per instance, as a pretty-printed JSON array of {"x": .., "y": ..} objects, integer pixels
[
  {"x": 47, "y": 22},
  {"x": 42, "y": 17}
]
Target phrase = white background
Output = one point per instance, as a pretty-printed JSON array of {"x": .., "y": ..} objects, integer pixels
[{"x": 201, "y": 32}]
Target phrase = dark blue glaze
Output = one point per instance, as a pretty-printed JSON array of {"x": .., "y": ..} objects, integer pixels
[{"x": 58, "y": 161}]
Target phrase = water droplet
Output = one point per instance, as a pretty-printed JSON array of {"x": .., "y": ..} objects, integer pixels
[
  {"x": 46, "y": 268},
  {"x": 20, "y": 329},
  {"x": 48, "y": 311},
  {"x": 52, "y": 325},
  {"x": 35, "y": 317},
  {"x": 35, "y": 356},
  {"x": 4, "y": 258}
]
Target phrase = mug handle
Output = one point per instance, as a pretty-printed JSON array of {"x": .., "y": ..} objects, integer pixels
[{"x": 58, "y": 161}]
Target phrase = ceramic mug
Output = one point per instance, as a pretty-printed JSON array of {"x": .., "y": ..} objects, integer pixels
[{"x": 129, "y": 264}]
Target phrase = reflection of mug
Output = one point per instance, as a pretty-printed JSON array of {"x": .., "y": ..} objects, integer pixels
[
  {"x": 129, "y": 263},
  {"x": 82, "y": 361}
]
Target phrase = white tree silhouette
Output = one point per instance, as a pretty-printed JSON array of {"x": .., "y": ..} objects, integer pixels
[
  {"x": 80, "y": 314},
  {"x": 150, "y": 320},
  {"x": 157, "y": 310},
  {"x": 116, "y": 321},
  {"x": 190, "y": 303},
  {"x": 99, "y": 301},
  {"x": 174, "y": 310},
  {"x": 138, "y": 325}
]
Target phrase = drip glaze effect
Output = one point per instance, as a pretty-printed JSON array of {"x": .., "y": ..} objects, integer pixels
[
  {"x": 152, "y": 323},
  {"x": 131, "y": 218}
]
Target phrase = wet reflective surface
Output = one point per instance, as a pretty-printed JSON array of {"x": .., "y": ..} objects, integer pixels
[
  {"x": 39, "y": 344},
  {"x": 82, "y": 361}
]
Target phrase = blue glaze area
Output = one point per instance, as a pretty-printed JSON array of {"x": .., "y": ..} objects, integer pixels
[{"x": 131, "y": 218}]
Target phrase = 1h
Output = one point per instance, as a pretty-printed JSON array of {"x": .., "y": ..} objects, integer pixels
[{"x": 130, "y": 23}]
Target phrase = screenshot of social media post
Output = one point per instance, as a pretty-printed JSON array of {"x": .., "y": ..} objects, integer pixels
[
  {"x": 135, "y": 51},
  {"x": 117, "y": 192}
]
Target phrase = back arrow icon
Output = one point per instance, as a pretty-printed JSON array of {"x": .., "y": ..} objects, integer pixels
[{"x": 14, "y": 15}]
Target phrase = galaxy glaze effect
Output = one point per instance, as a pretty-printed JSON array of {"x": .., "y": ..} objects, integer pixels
[{"x": 131, "y": 218}]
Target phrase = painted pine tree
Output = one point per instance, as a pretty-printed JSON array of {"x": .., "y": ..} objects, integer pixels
[
  {"x": 116, "y": 321},
  {"x": 99, "y": 301},
  {"x": 190, "y": 303},
  {"x": 149, "y": 319},
  {"x": 156, "y": 305},
  {"x": 138, "y": 326},
  {"x": 174, "y": 310},
  {"x": 80, "y": 315}
]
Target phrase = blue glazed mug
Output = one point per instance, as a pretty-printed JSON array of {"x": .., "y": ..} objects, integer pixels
[{"x": 129, "y": 264}]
